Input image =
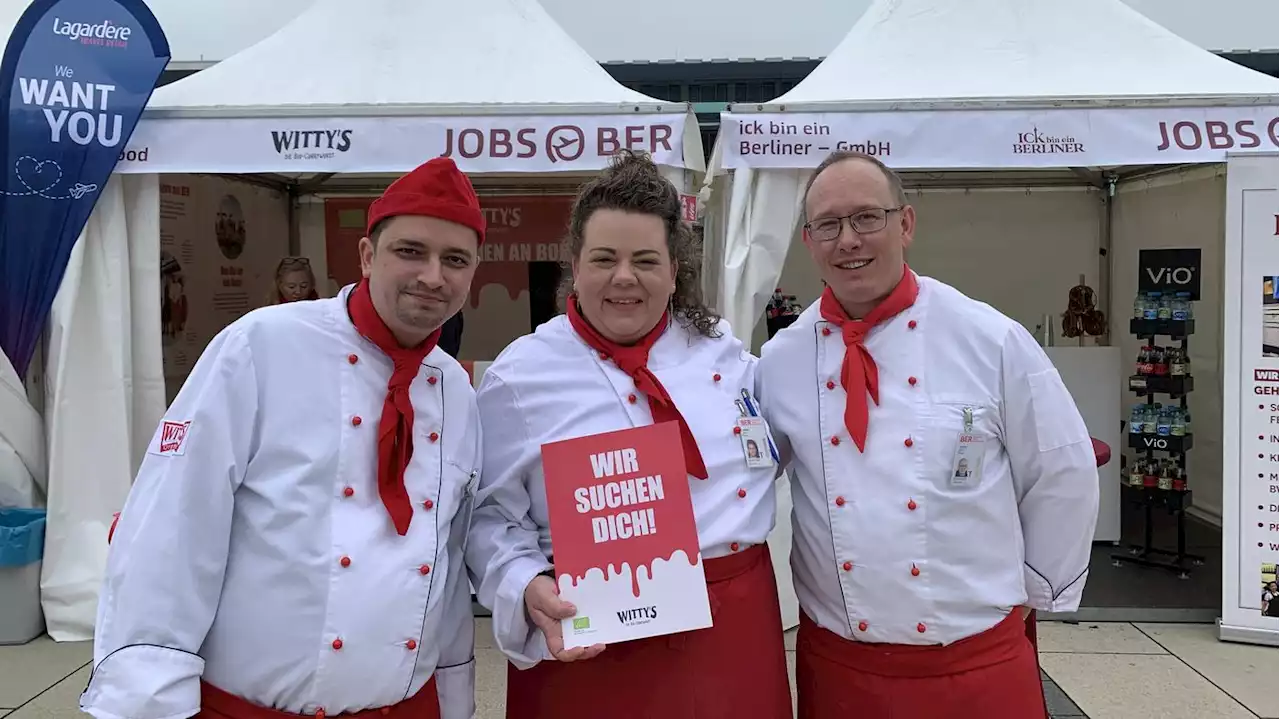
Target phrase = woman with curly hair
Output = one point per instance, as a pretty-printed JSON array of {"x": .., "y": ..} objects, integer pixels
[{"x": 635, "y": 346}]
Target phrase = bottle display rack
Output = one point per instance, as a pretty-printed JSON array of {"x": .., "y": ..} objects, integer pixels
[{"x": 1160, "y": 432}]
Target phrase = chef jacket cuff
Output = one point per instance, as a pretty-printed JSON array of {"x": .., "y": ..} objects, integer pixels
[
  {"x": 456, "y": 688},
  {"x": 517, "y": 636},
  {"x": 144, "y": 681},
  {"x": 1042, "y": 597}
]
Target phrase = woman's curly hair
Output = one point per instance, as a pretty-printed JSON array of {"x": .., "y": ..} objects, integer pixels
[{"x": 633, "y": 183}]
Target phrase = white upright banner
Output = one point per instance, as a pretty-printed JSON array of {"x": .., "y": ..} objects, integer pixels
[{"x": 1251, "y": 403}]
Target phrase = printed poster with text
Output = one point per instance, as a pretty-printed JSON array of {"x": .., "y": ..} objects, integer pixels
[{"x": 624, "y": 537}]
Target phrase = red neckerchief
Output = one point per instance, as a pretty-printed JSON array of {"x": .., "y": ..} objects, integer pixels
[
  {"x": 395, "y": 429},
  {"x": 634, "y": 360},
  {"x": 858, "y": 373}
]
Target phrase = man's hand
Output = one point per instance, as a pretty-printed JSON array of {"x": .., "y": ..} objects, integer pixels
[{"x": 546, "y": 609}]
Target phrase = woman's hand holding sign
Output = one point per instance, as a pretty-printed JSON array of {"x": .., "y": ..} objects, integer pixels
[{"x": 547, "y": 610}]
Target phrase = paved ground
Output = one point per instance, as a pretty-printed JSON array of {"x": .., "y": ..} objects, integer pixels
[{"x": 1094, "y": 670}]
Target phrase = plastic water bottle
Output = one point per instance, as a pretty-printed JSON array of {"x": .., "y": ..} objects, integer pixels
[
  {"x": 1152, "y": 306},
  {"x": 1180, "y": 306},
  {"x": 1178, "y": 423},
  {"x": 1164, "y": 421},
  {"x": 1164, "y": 310},
  {"x": 1136, "y": 419},
  {"x": 1139, "y": 306},
  {"x": 1149, "y": 417}
]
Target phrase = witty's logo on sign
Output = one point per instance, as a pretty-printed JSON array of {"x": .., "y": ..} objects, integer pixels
[
  {"x": 638, "y": 615},
  {"x": 581, "y": 623},
  {"x": 173, "y": 437},
  {"x": 311, "y": 144},
  {"x": 103, "y": 34}
]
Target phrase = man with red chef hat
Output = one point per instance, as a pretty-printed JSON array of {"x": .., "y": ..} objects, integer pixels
[
  {"x": 293, "y": 542},
  {"x": 943, "y": 480}
]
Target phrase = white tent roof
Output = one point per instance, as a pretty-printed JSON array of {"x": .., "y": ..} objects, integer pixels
[
  {"x": 930, "y": 53},
  {"x": 399, "y": 56}
]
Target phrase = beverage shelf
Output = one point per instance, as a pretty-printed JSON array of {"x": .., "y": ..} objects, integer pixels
[
  {"x": 1176, "y": 329},
  {"x": 1161, "y": 443},
  {"x": 1156, "y": 384}
]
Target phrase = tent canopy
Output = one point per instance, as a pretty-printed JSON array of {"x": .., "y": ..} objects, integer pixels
[
  {"x": 380, "y": 85},
  {"x": 926, "y": 53},
  {"x": 390, "y": 56}
]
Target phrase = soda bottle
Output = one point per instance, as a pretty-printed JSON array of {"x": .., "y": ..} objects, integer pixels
[
  {"x": 1177, "y": 362},
  {"x": 1136, "y": 473},
  {"x": 1180, "y": 480},
  {"x": 1165, "y": 480},
  {"x": 1160, "y": 361}
]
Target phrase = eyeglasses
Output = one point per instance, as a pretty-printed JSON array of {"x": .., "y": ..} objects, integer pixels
[
  {"x": 863, "y": 222},
  {"x": 294, "y": 262}
]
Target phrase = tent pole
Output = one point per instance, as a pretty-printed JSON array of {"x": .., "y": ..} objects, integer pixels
[{"x": 1104, "y": 254}]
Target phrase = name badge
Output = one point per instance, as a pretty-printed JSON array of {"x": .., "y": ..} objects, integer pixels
[
  {"x": 966, "y": 465},
  {"x": 755, "y": 442}
]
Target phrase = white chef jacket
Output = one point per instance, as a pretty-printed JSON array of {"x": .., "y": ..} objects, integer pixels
[
  {"x": 550, "y": 386},
  {"x": 248, "y": 548},
  {"x": 886, "y": 548}
]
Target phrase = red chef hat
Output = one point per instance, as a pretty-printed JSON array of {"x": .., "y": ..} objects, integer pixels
[{"x": 436, "y": 188}]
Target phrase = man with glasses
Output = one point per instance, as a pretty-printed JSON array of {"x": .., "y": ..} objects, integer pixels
[{"x": 943, "y": 480}]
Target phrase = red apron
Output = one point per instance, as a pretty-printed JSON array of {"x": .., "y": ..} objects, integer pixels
[
  {"x": 992, "y": 675},
  {"x": 734, "y": 670},
  {"x": 217, "y": 704}
]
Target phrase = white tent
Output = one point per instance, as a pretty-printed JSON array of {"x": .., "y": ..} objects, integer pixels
[
  {"x": 1024, "y": 94},
  {"x": 370, "y": 90},
  {"x": 980, "y": 84}
]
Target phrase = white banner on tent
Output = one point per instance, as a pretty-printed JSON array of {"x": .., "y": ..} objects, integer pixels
[
  {"x": 490, "y": 144},
  {"x": 959, "y": 139},
  {"x": 1251, "y": 487}
]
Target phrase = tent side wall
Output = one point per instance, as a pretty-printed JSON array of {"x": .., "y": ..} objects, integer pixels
[{"x": 104, "y": 393}]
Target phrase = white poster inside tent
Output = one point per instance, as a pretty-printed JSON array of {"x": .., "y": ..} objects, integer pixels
[
  {"x": 1251, "y": 406},
  {"x": 1011, "y": 138},
  {"x": 220, "y": 242},
  {"x": 497, "y": 143}
]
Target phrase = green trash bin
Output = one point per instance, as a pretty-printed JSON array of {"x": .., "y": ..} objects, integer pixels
[{"x": 21, "y": 550}]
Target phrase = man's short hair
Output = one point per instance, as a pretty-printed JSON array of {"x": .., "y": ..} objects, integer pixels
[{"x": 895, "y": 182}]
